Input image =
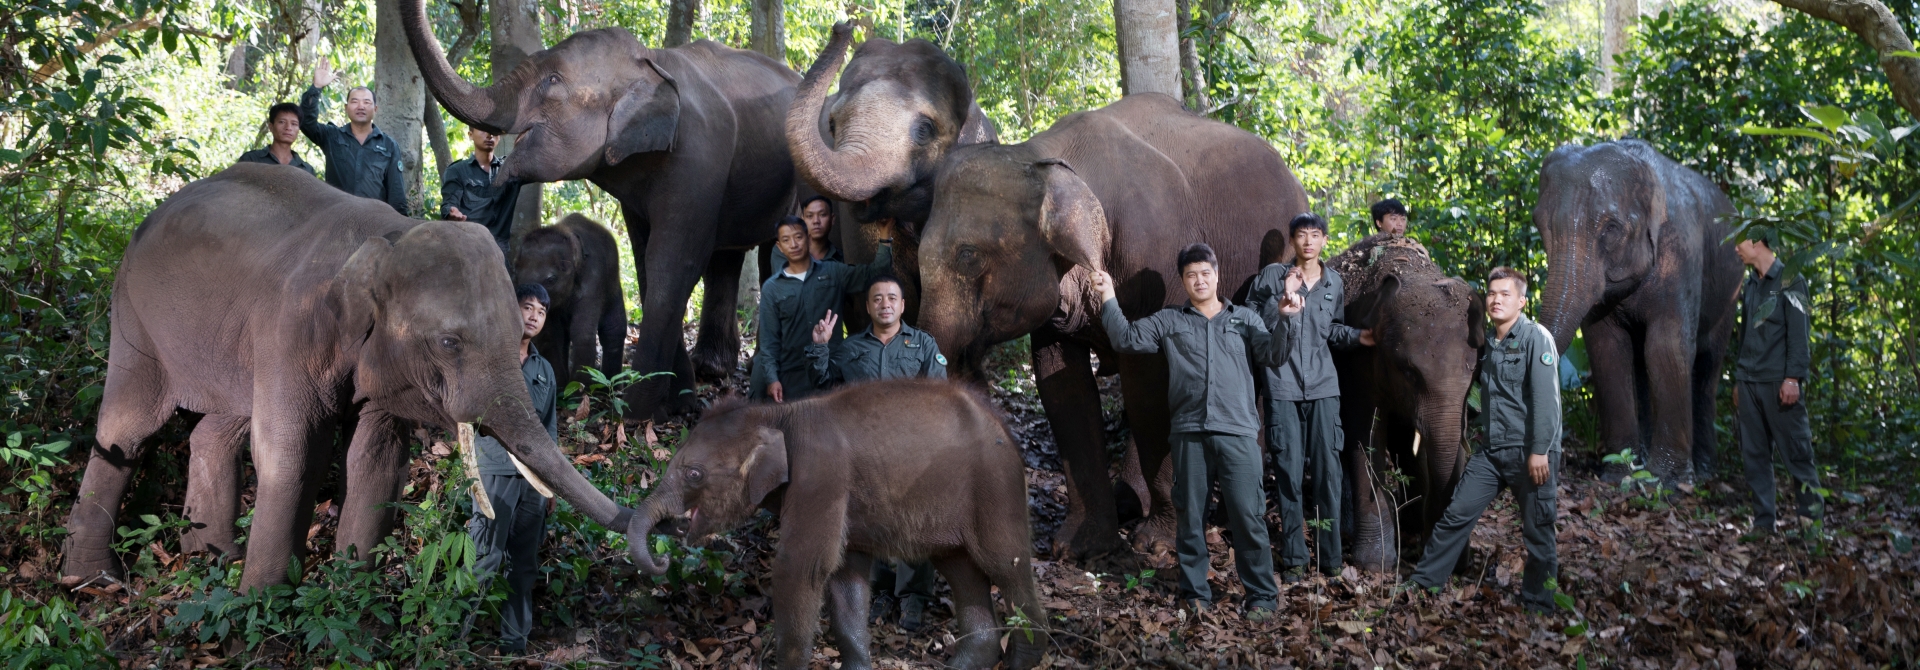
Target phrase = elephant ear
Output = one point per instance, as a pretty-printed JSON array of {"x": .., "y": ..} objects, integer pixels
[
  {"x": 1647, "y": 201},
  {"x": 1071, "y": 218},
  {"x": 356, "y": 291},
  {"x": 765, "y": 468},
  {"x": 1477, "y": 320},
  {"x": 647, "y": 116},
  {"x": 1382, "y": 296}
]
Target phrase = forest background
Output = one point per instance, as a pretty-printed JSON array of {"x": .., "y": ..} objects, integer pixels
[{"x": 108, "y": 107}]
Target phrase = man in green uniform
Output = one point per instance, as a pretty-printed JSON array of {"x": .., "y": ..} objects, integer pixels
[
  {"x": 283, "y": 125},
  {"x": 360, "y": 159},
  {"x": 467, "y": 192},
  {"x": 889, "y": 349},
  {"x": 1519, "y": 431},
  {"x": 817, "y": 211},
  {"x": 1389, "y": 216},
  {"x": 1773, "y": 364},
  {"x": 793, "y": 301},
  {"x": 1214, "y": 421},
  {"x": 512, "y": 537},
  {"x": 1303, "y": 396}
]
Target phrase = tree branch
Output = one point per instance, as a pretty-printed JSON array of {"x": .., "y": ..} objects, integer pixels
[{"x": 1876, "y": 25}]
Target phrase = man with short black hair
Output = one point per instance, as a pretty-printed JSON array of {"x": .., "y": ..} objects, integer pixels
[
  {"x": 467, "y": 192},
  {"x": 283, "y": 127},
  {"x": 793, "y": 301},
  {"x": 817, "y": 211},
  {"x": 360, "y": 159},
  {"x": 1773, "y": 364},
  {"x": 1389, "y": 216},
  {"x": 1214, "y": 421},
  {"x": 1303, "y": 396},
  {"x": 1519, "y": 434},
  {"x": 512, "y": 537}
]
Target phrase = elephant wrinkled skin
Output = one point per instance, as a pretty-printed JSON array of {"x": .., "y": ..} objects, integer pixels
[
  {"x": 577, "y": 261},
  {"x": 906, "y": 469},
  {"x": 260, "y": 292}
]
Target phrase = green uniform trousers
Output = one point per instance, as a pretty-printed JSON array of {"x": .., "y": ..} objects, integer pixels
[
  {"x": 511, "y": 540},
  {"x": 1487, "y": 473},
  {"x": 1199, "y": 460},
  {"x": 1306, "y": 434},
  {"x": 1764, "y": 425}
]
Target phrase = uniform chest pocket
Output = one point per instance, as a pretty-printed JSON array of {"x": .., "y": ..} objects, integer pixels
[
  {"x": 785, "y": 307},
  {"x": 1231, "y": 342},
  {"x": 1512, "y": 368}
]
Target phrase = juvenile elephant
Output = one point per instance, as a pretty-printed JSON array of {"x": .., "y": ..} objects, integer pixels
[
  {"x": 691, "y": 140},
  {"x": 578, "y": 263},
  {"x": 851, "y": 487},
  {"x": 1638, "y": 260},
  {"x": 260, "y": 292},
  {"x": 1014, "y": 231},
  {"x": 1427, "y": 329}
]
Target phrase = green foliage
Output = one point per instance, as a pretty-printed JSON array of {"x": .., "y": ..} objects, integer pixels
[
  {"x": 1638, "y": 479},
  {"x": 52, "y": 636}
]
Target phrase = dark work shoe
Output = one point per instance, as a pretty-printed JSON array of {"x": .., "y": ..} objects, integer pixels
[
  {"x": 512, "y": 647},
  {"x": 913, "y": 613},
  {"x": 1294, "y": 574}
]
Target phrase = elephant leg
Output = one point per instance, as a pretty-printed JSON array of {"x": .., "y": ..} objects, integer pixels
[
  {"x": 717, "y": 350},
  {"x": 1611, "y": 349},
  {"x": 611, "y": 328},
  {"x": 851, "y": 593},
  {"x": 1063, "y": 374},
  {"x": 376, "y": 470},
  {"x": 979, "y": 640},
  {"x": 1376, "y": 545},
  {"x": 291, "y": 454},
  {"x": 1143, "y": 386},
  {"x": 1010, "y": 569},
  {"x": 214, "y": 482},
  {"x": 1710, "y": 352},
  {"x": 130, "y": 413},
  {"x": 1669, "y": 357},
  {"x": 556, "y": 343},
  {"x": 674, "y": 264}
]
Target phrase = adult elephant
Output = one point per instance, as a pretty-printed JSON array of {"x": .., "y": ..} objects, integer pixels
[
  {"x": 1402, "y": 399},
  {"x": 1014, "y": 230},
  {"x": 1638, "y": 261},
  {"x": 690, "y": 141},
  {"x": 260, "y": 292},
  {"x": 875, "y": 144}
]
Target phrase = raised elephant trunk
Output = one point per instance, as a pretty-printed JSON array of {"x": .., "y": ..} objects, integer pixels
[
  {"x": 490, "y": 108},
  {"x": 866, "y": 160},
  {"x": 656, "y": 509}
]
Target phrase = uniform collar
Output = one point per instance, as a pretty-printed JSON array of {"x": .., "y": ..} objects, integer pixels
[
  {"x": 811, "y": 264},
  {"x": 905, "y": 331},
  {"x": 1225, "y": 309},
  {"x": 475, "y": 160},
  {"x": 1513, "y": 334}
]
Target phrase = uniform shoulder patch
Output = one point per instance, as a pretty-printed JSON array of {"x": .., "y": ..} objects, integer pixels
[
  {"x": 1547, "y": 358},
  {"x": 940, "y": 358}
]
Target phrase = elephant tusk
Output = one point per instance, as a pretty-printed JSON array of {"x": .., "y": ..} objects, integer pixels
[
  {"x": 1416, "y": 443},
  {"x": 470, "y": 457},
  {"x": 533, "y": 479}
]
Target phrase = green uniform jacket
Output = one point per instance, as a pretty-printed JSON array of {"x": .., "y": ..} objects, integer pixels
[
  {"x": 463, "y": 184},
  {"x": 1519, "y": 379},
  {"x": 545, "y": 396},
  {"x": 790, "y": 307},
  {"x": 1209, "y": 386},
  {"x": 1772, "y": 347},
  {"x": 1308, "y": 372},
  {"x": 369, "y": 170},
  {"x": 863, "y": 357},
  {"x": 261, "y": 155}
]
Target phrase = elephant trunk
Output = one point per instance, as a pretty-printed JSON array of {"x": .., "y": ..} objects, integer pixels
[
  {"x": 867, "y": 159},
  {"x": 1440, "y": 448},
  {"x": 492, "y": 108},
  {"x": 1572, "y": 289},
  {"x": 656, "y": 509},
  {"x": 509, "y": 418}
]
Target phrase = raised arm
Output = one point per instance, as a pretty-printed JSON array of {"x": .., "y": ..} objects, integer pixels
[
  {"x": 1136, "y": 337},
  {"x": 310, "y": 124},
  {"x": 1270, "y": 347},
  {"x": 1261, "y": 296}
]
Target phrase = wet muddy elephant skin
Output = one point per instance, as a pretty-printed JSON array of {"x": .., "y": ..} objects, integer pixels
[
  {"x": 1123, "y": 188},
  {"x": 850, "y": 487},
  {"x": 578, "y": 262},
  {"x": 261, "y": 293},
  {"x": 1412, "y": 384},
  {"x": 691, "y": 140},
  {"x": 1638, "y": 261}
]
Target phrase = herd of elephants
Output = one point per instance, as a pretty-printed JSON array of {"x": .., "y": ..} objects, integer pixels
[{"x": 278, "y": 308}]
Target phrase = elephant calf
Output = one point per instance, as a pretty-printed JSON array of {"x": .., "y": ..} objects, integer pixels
[
  {"x": 578, "y": 262},
  {"x": 906, "y": 469}
]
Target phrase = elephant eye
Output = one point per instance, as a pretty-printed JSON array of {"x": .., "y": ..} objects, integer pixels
[
  {"x": 967, "y": 261},
  {"x": 449, "y": 342},
  {"x": 923, "y": 131},
  {"x": 553, "y": 78}
]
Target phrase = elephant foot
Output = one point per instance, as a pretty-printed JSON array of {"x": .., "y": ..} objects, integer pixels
[
  {"x": 1082, "y": 541},
  {"x": 81, "y": 565},
  {"x": 1154, "y": 538},
  {"x": 714, "y": 364},
  {"x": 980, "y": 650},
  {"x": 1378, "y": 555},
  {"x": 1026, "y": 653}
]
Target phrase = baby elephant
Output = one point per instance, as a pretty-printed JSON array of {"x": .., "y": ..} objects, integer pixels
[
  {"x": 578, "y": 262},
  {"x": 908, "y": 469}
]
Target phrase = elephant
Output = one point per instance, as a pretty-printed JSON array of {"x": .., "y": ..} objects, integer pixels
[
  {"x": 875, "y": 144},
  {"x": 1403, "y": 399},
  {"x": 690, "y": 141},
  {"x": 1638, "y": 260},
  {"x": 1015, "y": 231},
  {"x": 264, "y": 294},
  {"x": 852, "y": 483},
  {"x": 577, "y": 261}
]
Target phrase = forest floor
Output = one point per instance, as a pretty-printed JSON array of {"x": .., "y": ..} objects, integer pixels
[{"x": 1645, "y": 583}]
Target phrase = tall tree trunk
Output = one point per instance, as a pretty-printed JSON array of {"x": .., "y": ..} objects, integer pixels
[
  {"x": 472, "y": 21},
  {"x": 306, "y": 37},
  {"x": 1148, "y": 40},
  {"x": 1194, "y": 77},
  {"x": 1877, "y": 25},
  {"x": 681, "y": 15},
  {"x": 768, "y": 32},
  {"x": 1618, "y": 20},
  {"x": 437, "y": 135},
  {"x": 516, "y": 33},
  {"x": 401, "y": 93}
]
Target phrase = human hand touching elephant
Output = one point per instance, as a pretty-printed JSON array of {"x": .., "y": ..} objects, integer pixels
[
  {"x": 454, "y": 214},
  {"x": 1102, "y": 284}
]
